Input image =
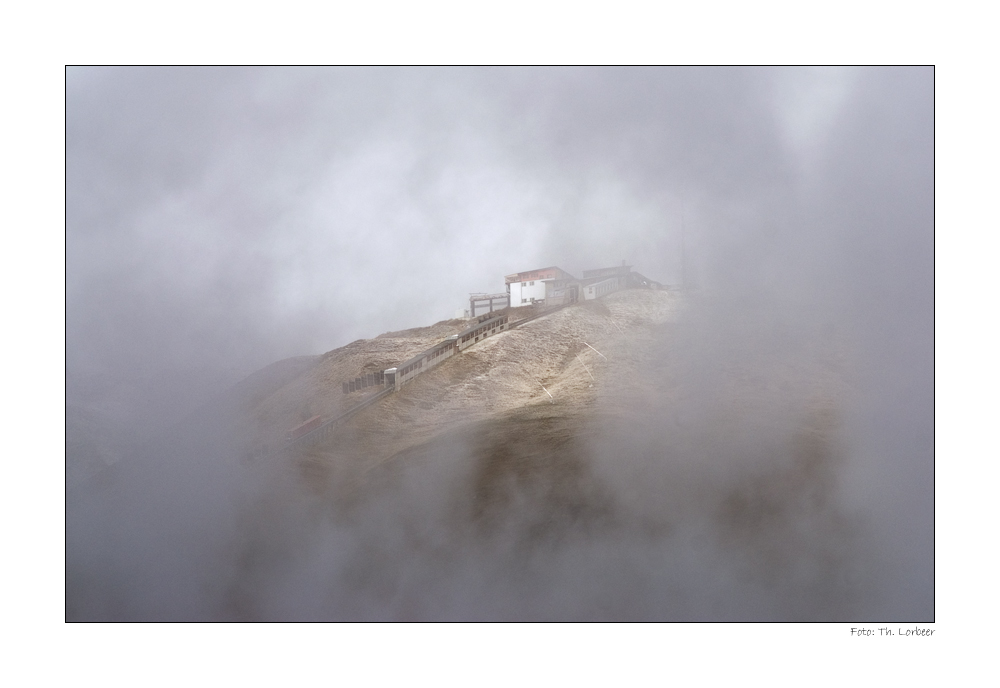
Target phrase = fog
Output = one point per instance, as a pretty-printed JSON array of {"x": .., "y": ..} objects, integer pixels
[{"x": 219, "y": 220}]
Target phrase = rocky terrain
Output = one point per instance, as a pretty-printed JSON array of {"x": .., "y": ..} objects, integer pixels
[{"x": 553, "y": 366}]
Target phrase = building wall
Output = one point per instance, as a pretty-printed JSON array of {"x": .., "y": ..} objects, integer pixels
[
  {"x": 544, "y": 273},
  {"x": 599, "y": 289},
  {"x": 559, "y": 292},
  {"x": 530, "y": 284},
  {"x": 521, "y": 293}
]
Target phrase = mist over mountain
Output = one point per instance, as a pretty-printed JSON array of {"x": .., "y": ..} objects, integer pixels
[{"x": 756, "y": 446}]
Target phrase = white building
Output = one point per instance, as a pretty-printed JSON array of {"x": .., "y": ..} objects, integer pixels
[{"x": 526, "y": 288}]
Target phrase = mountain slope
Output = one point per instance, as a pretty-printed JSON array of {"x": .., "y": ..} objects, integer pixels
[
  {"x": 602, "y": 462},
  {"x": 559, "y": 361}
]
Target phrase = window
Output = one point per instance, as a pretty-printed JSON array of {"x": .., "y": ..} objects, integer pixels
[{"x": 532, "y": 284}]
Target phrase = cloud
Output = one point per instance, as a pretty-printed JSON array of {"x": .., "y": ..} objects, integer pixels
[{"x": 220, "y": 219}]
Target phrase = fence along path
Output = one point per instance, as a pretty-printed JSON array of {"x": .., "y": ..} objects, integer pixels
[{"x": 323, "y": 432}]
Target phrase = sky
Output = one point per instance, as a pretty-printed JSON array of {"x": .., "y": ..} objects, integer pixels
[{"x": 221, "y": 219}]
